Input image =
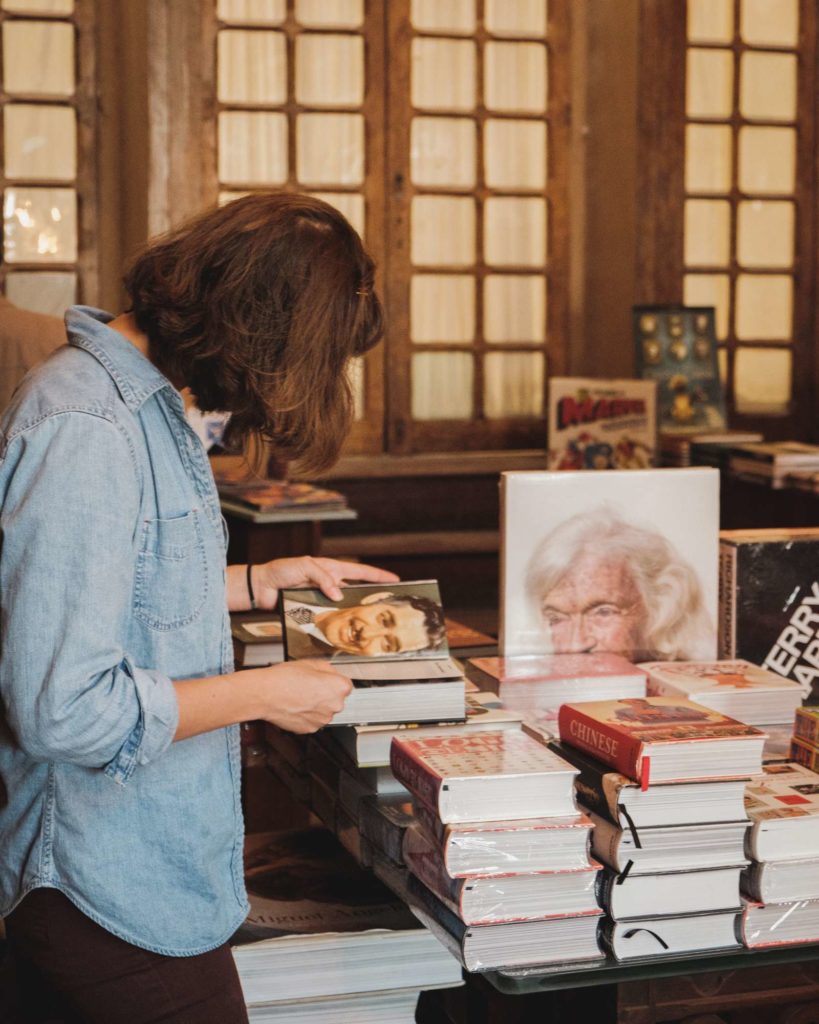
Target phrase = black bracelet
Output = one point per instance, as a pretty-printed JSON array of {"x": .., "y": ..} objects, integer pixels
[{"x": 251, "y": 595}]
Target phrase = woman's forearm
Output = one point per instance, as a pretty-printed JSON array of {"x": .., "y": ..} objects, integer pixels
[{"x": 217, "y": 701}]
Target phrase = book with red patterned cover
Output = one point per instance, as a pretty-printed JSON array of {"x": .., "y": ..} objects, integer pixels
[
  {"x": 485, "y": 776},
  {"x": 664, "y": 739}
]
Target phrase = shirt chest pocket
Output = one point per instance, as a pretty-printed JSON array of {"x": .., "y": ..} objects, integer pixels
[{"x": 171, "y": 584}]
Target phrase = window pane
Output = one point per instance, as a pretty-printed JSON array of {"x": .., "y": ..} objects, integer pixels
[
  {"x": 329, "y": 70},
  {"x": 514, "y": 307},
  {"x": 443, "y": 74},
  {"x": 351, "y": 204},
  {"x": 514, "y": 154},
  {"x": 707, "y": 232},
  {"x": 259, "y": 12},
  {"x": 711, "y": 21},
  {"x": 764, "y": 307},
  {"x": 443, "y": 151},
  {"x": 770, "y": 22},
  {"x": 42, "y": 292},
  {"x": 442, "y": 308},
  {"x": 710, "y": 290},
  {"x": 450, "y": 16},
  {"x": 513, "y": 384},
  {"x": 330, "y": 13},
  {"x": 709, "y": 85},
  {"x": 40, "y": 225},
  {"x": 767, "y": 160},
  {"x": 515, "y": 77},
  {"x": 56, "y": 7},
  {"x": 38, "y": 57},
  {"x": 768, "y": 86},
  {"x": 515, "y": 232},
  {"x": 442, "y": 386},
  {"x": 765, "y": 234},
  {"x": 762, "y": 379},
  {"x": 40, "y": 142},
  {"x": 443, "y": 231},
  {"x": 707, "y": 158},
  {"x": 330, "y": 149},
  {"x": 522, "y": 18},
  {"x": 253, "y": 148},
  {"x": 252, "y": 67}
]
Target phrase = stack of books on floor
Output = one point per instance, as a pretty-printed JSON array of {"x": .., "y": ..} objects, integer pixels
[
  {"x": 323, "y": 938},
  {"x": 781, "y": 884},
  {"x": 702, "y": 448},
  {"x": 498, "y": 855},
  {"x": 735, "y": 687},
  {"x": 537, "y": 685},
  {"x": 664, "y": 780},
  {"x": 771, "y": 462}
]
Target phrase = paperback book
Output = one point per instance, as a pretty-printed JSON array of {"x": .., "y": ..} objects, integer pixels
[
  {"x": 486, "y": 776},
  {"x": 735, "y": 687},
  {"x": 282, "y": 495},
  {"x": 610, "y": 563},
  {"x": 601, "y": 424},
  {"x": 769, "y": 600},
  {"x": 663, "y": 739}
]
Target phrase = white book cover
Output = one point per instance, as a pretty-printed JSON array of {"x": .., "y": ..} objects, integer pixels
[
  {"x": 785, "y": 790},
  {"x": 693, "y": 678},
  {"x": 621, "y": 562},
  {"x": 602, "y": 424}
]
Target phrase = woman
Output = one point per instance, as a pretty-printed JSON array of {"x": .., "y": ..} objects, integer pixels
[{"x": 120, "y": 830}]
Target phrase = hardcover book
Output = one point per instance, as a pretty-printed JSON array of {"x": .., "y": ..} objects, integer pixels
[
  {"x": 620, "y": 800},
  {"x": 780, "y": 924},
  {"x": 782, "y": 881},
  {"x": 536, "y": 685},
  {"x": 675, "y": 346},
  {"x": 498, "y": 847},
  {"x": 610, "y": 563},
  {"x": 783, "y": 805},
  {"x": 663, "y": 739},
  {"x": 383, "y": 820},
  {"x": 628, "y": 895},
  {"x": 670, "y": 936},
  {"x": 501, "y": 899},
  {"x": 602, "y": 424},
  {"x": 485, "y": 776},
  {"x": 805, "y": 754},
  {"x": 806, "y": 725},
  {"x": 769, "y": 600},
  {"x": 736, "y": 687},
  {"x": 282, "y": 495}
]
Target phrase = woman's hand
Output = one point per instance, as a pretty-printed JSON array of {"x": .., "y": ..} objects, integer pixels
[
  {"x": 301, "y": 696},
  {"x": 328, "y": 574}
]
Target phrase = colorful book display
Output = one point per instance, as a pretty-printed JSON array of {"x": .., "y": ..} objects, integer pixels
[
  {"x": 675, "y": 346},
  {"x": 602, "y": 424}
]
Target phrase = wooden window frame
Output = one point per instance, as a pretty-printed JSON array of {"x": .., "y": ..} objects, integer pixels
[
  {"x": 660, "y": 266},
  {"x": 85, "y": 184}
]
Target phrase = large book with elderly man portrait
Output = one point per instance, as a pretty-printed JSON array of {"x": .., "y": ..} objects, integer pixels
[{"x": 623, "y": 562}]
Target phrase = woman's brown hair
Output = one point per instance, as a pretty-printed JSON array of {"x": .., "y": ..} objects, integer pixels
[{"x": 258, "y": 307}]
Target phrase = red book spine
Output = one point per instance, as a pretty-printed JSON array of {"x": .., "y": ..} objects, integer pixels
[
  {"x": 413, "y": 774},
  {"x": 607, "y": 743}
]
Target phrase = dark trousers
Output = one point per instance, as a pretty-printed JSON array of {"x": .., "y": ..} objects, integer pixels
[{"x": 68, "y": 970}]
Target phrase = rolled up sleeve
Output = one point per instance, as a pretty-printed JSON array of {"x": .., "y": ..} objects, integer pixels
[{"x": 69, "y": 527}]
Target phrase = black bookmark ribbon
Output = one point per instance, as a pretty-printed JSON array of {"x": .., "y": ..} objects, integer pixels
[{"x": 636, "y": 931}]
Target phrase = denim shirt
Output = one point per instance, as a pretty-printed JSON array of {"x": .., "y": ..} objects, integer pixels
[{"x": 112, "y": 583}]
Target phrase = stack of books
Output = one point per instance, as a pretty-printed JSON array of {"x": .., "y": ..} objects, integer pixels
[
  {"x": 498, "y": 855},
  {"x": 771, "y": 462},
  {"x": 735, "y": 687},
  {"x": 704, "y": 448},
  {"x": 536, "y": 685},
  {"x": 781, "y": 885},
  {"x": 323, "y": 938},
  {"x": 669, "y": 819},
  {"x": 286, "y": 498},
  {"x": 805, "y": 740}
]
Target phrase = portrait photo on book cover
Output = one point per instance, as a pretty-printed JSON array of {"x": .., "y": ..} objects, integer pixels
[
  {"x": 623, "y": 562},
  {"x": 397, "y": 621}
]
